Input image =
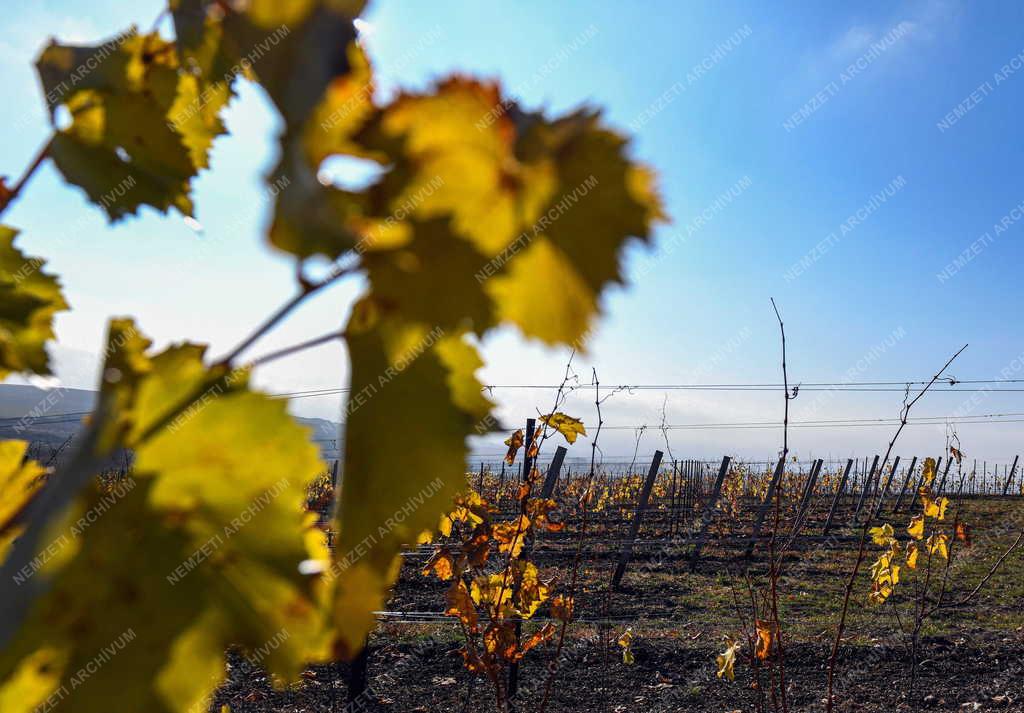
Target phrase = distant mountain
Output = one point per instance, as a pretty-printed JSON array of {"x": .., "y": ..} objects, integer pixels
[{"x": 50, "y": 417}]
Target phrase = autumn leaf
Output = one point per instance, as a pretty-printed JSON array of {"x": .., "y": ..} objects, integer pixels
[
  {"x": 421, "y": 381},
  {"x": 955, "y": 453},
  {"x": 881, "y": 535},
  {"x": 460, "y": 604},
  {"x": 935, "y": 508},
  {"x": 30, "y": 299},
  {"x": 928, "y": 471},
  {"x": 885, "y": 575},
  {"x": 493, "y": 591},
  {"x": 566, "y": 425},
  {"x": 765, "y": 637},
  {"x": 511, "y": 535},
  {"x": 912, "y": 553},
  {"x": 536, "y": 639},
  {"x": 441, "y": 563},
  {"x": 530, "y": 592},
  {"x": 963, "y": 533},
  {"x": 916, "y": 527},
  {"x": 727, "y": 660},
  {"x": 139, "y": 132},
  {"x": 500, "y": 640},
  {"x": 514, "y": 443},
  {"x": 938, "y": 543},
  {"x": 626, "y": 643},
  {"x": 20, "y": 480},
  {"x": 562, "y": 607},
  {"x": 539, "y": 512}
]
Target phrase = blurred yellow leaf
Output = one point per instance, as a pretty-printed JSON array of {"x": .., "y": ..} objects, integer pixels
[{"x": 30, "y": 299}]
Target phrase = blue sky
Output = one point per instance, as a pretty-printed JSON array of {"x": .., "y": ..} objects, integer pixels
[{"x": 805, "y": 151}]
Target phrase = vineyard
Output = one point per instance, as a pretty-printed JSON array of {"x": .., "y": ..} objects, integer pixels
[{"x": 662, "y": 564}]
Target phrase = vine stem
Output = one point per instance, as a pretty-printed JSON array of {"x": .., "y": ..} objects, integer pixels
[
  {"x": 306, "y": 289},
  {"x": 773, "y": 572},
  {"x": 12, "y": 193},
  {"x": 862, "y": 548},
  {"x": 296, "y": 348}
]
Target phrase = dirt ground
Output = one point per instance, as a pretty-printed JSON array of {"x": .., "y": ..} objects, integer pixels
[{"x": 972, "y": 656}]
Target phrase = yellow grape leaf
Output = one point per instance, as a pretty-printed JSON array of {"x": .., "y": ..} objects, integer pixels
[
  {"x": 469, "y": 508},
  {"x": 480, "y": 211},
  {"x": 939, "y": 543},
  {"x": 566, "y": 425},
  {"x": 514, "y": 443},
  {"x": 935, "y": 508},
  {"x": 202, "y": 49},
  {"x": 539, "y": 512},
  {"x": 912, "y": 553},
  {"x": 30, "y": 299},
  {"x": 928, "y": 472},
  {"x": 530, "y": 591},
  {"x": 727, "y": 661},
  {"x": 597, "y": 200},
  {"x": 881, "y": 535},
  {"x": 511, "y": 535},
  {"x": 626, "y": 642},
  {"x": 420, "y": 382},
  {"x": 916, "y": 527},
  {"x": 885, "y": 576},
  {"x": 500, "y": 640},
  {"x": 141, "y": 128},
  {"x": 493, "y": 591},
  {"x": 765, "y": 637},
  {"x": 441, "y": 563},
  {"x": 460, "y": 604}
]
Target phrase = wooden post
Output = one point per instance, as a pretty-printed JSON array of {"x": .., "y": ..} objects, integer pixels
[
  {"x": 553, "y": 471},
  {"x": 942, "y": 483},
  {"x": 634, "y": 529},
  {"x": 906, "y": 484},
  {"x": 763, "y": 510},
  {"x": 501, "y": 484},
  {"x": 709, "y": 511},
  {"x": 1009, "y": 478},
  {"x": 805, "y": 501},
  {"x": 835, "y": 498},
  {"x": 885, "y": 490},
  {"x": 357, "y": 679},
  {"x": 865, "y": 488}
]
